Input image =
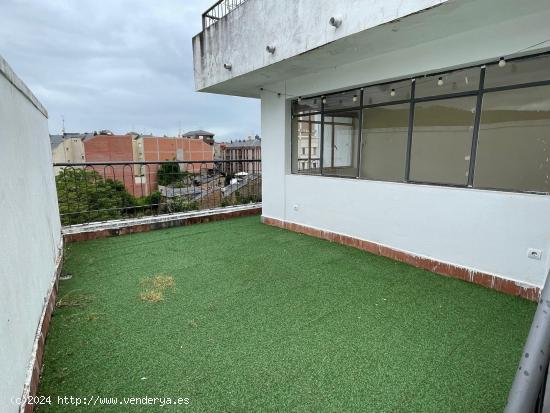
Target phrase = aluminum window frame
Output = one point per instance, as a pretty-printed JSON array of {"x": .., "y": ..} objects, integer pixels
[
  {"x": 292, "y": 149},
  {"x": 479, "y": 93}
]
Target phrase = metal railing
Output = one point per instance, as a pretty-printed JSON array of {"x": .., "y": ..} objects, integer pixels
[
  {"x": 105, "y": 191},
  {"x": 219, "y": 10}
]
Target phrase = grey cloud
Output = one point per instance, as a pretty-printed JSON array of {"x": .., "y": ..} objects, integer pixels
[{"x": 118, "y": 64}]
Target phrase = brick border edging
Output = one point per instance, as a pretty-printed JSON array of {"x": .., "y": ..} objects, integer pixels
[
  {"x": 476, "y": 277},
  {"x": 134, "y": 229},
  {"x": 41, "y": 342}
]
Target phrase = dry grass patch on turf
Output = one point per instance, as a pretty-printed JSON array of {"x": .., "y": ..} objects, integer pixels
[
  {"x": 74, "y": 299},
  {"x": 153, "y": 288}
]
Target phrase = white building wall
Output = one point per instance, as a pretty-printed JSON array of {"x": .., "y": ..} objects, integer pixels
[
  {"x": 30, "y": 236},
  {"x": 292, "y": 27},
  {"x": 487, "y": 231}
]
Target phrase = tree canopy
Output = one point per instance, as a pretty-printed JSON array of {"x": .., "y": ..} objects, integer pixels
[{"x": 85, "y": 196}]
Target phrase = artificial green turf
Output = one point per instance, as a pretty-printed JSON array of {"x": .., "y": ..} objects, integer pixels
[{"x": 263, "y": 319}]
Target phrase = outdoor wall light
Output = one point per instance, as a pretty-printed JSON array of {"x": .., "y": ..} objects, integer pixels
[
  {"x": 392, "y": 93},
  {"x": 355, "y": 98},
  {"x": 228, "y": 66},
  {"x": 335, "y": 21},
  {"x": 440, "y": 81},
  {"x": 324, "y": 100},
  {"x": 270, "y": 49},
  {"x": 501, "y": 62}
]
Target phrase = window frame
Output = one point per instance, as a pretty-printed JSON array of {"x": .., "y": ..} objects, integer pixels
[
  {"x": 473, "y": 138},
  {"x": 309, "y": 158},
  {"x": 407, "y": 146},
  {"x": 333, "y": 113},
  {"x": 478, "y": 93}
]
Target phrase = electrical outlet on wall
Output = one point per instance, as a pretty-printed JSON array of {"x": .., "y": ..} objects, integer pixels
[{"x": 534, "y": 254}]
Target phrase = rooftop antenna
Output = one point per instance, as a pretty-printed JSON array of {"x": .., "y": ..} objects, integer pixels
[
  {"x": 179, "y": 129},
  {"x": 63, "y": 124}
]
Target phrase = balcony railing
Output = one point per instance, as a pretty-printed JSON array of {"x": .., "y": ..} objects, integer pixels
[
  {"x": 219, "y": 10},
  {"x": 104, "y": 191}
]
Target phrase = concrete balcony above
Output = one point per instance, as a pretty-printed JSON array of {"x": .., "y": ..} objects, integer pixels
[
  {"x": 231, "y": 55},
  {"x": 240, "y": 38}
]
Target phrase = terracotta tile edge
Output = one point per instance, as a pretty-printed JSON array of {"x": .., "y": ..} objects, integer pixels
[
  {"x": 476, "y": 277},
  {"x": 133, "y": 229}
]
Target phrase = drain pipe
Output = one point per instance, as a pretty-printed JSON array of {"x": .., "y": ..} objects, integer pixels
[{"x": 534, "y": 359}]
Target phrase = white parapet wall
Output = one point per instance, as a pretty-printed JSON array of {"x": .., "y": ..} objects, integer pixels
[
  {"x": 481, "y": 230},
  {"x": 30, "y": 236}
]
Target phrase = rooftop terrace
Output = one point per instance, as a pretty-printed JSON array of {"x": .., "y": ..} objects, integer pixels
[{"x": 247, "y": 317}]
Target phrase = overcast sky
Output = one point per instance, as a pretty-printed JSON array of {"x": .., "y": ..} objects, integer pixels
[{"x": 118, "y": 64}]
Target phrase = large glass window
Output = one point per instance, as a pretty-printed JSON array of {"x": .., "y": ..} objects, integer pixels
[
  {"x": 513, "y": 148},
  {"x": 306, "y": 141},
  {"x": 387, "y": 92},
  {"x": 306, "y": 106},
  {"x": 442, "y": 140},
  {"x": 424, "y": 130},
  {"x": 341, "y": 143},
  {"x": 448, "y": 83},
  {"x": 384, "y": 142},
  {"x": 343, "y": 100},
  {"x": 517, "y": 72}
]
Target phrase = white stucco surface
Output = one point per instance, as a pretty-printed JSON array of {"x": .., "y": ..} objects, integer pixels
[
  {"x": 307, "y": 44},
  {"x": 487, "y": 231},
  {"x": 292, "y": 27},
  {"x": 30, "y": 236}
]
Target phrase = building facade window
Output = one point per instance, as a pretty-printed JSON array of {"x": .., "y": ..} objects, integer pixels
[
  {"x": 481, "y": 127},
  {"x": 518, "y": 72},
  {"x": 384, "y": 142},
  {"x": 442, "y": 141},
  {"x": 306, "y": 138},
  {"x": 514, "y": 140},
  {"x": 340, "y": 143},
  {"x": 458, "y": 81}
]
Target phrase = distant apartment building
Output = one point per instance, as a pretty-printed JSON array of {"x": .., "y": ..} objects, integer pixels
[
  {"x": 108, "y": 149},
  {"x": 308, "y": 145},
  {"x": 218, "y": 150},
  {"x": 109, "y": 152},
  {"x": 207, "y": 137},
  {"x": 152, "y": 148},
  {"x": 247, "y": 150},
  {"x": 67, "y": 148}
]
